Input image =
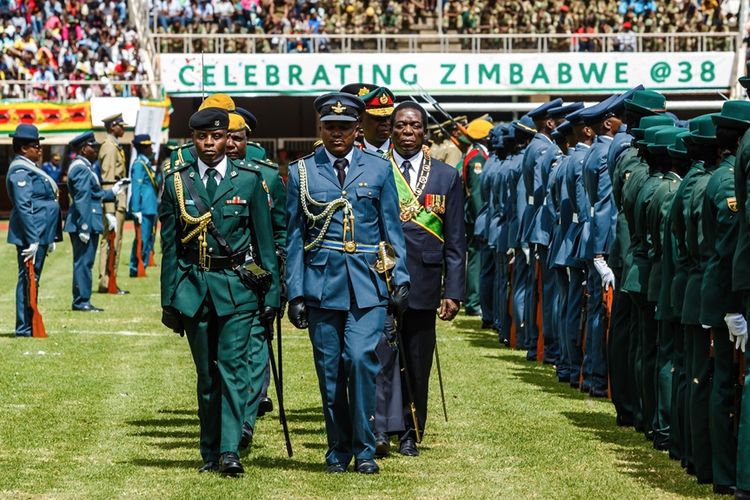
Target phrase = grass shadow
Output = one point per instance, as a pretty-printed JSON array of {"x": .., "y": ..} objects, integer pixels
[
  {"x": 168, "y": 434},
  {"x": 190, "y": 413},
  {"x": 164, "y": 422},
  {"x": 266, "y": 462},
  {"x": 165, "y": 464},
  {"x": 637, "y": 458},
  {"x": 487, "y": 339}
]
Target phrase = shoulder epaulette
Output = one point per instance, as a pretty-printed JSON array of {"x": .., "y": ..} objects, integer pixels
[
  {"x": 175, "y": 167},
  {"x": 268, "y": 163},
  {"x": 246, "y": 165}
]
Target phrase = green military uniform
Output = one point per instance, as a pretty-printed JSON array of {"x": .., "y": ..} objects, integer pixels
[
  {"x": 741, "y": 284},
  {"x": 217, "y": 309},
  {"x": 720, "y": 240},
  {"x": 720, "y": 228},
  {"x": 255, "y": 155},
  {"x": 697, "y": 339},
  {"x": 473, "y": 163},
  {"x": 670, "y": 327}
]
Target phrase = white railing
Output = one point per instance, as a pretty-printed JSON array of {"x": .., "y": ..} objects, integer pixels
[{"x": 479, "y": 43}]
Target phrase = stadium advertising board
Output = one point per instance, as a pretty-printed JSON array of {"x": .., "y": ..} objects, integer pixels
[{"x": 454, "y": 73}]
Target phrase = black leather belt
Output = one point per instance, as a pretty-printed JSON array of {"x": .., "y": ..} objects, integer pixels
[{"x": 216, "y": 262}]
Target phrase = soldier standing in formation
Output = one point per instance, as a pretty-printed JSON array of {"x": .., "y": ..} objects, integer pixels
[
  {"x": 84, "y": 221},
  {"x": 35, "y": 223},
  {"x": 144, "y": 200},
  {"x": 112, "y": 167}
]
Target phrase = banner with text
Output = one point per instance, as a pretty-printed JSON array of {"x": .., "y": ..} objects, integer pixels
[{"x": 453, "y": 73}]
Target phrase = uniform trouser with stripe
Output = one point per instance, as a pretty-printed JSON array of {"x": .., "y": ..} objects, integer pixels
[
  {"x": 618, "y": 359},
  {"x": 473, "y": 269},
  {"x": 595, "y": 358},
  {"x": 486, "y": 283},
  {"x": 722, "y": 409},
  {"x": 521, "y": 272},
  {"x": 558, "y": 316},
  {"x": 344, "y": 348},
  {"x": 743, "y": 434},
  {"x": 549, "y": 297},
  {"x": 529, "y": 308},
  {"x": 258, "y": 364},
  {"x": 389, "y": 418},
  {"x": 645, "y": 365},
  {"x": 219, "y": 345},
  {"x": 698, "y": 401},
  {"x": 502, "y": 317},
  {"x": 677, "y": 416},
  {"x": 573, "y": 329},
  {"x": 84, "y": 255},
  {"x": 688, "y": 341},
  {"x": 664, "y": 373}
]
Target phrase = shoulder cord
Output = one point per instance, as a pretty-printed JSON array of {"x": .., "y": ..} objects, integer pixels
[
  {"x": 328, "y": 208},
  {"x": 200, "y": 222}
]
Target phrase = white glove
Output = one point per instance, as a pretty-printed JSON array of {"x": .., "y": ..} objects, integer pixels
[
  {"x": 138, "y": 216},
  {"x": 737, "y": 330},
  {"x": 51, "y": 248},
  {"x": 29, "y": 253},
  {"x": 111, "y": 221},
  {"x": 526, "y": 254},
  {"x": 84, "y": 237},
  {"x": 120, "y": 185},
  {"x": 608, "y": 277}
]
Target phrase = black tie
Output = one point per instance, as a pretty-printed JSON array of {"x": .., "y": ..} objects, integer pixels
[
  {"x": 340, "y": 166},
  {"x": 211, "y": 184},
  {"x": 406, "y": 170}
]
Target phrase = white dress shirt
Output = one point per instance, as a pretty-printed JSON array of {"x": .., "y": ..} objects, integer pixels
[
  {"x": 333, "y": 158},
  {"x": 416, "y": 162},
  {"x": 383, "y": 148},
  {"x": 221, "y": 170}
]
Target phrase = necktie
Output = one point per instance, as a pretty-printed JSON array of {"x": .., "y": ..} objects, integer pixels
[
  {"x": 340, "y": 166},
  {"x": 406, "y": 170},
  {"x": 211, "y": 183}
]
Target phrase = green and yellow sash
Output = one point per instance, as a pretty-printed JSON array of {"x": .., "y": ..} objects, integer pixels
[{"x": 412, "y": 210}]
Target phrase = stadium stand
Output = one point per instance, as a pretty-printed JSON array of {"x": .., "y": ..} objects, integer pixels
[{"x": 51, "y": 41}]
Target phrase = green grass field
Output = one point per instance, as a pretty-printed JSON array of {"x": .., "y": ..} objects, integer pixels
[{"x": 105, "y": 407}]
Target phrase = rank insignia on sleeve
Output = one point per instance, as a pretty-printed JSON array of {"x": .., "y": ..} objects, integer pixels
[
  {"x": 236, "y": 200},
  {"x": 732, "y": 204}
]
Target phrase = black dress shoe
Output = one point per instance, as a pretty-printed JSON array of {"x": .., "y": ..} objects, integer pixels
[
  {"x": 723, "y": 489},
  {"x": 488, "y": 325},
  {"x": 247, "y": 436},
  {"x": 336, "y": 468},
  {"x": 563, "y": 379},
  {"x": 574, "y": 384},
  {"x": 209, "y": 466},
  {"x": 382, "y": 444},
  {"x": 120, "y": 291},
  {"x": 624, "y": 421},
  {"x": 87, "y": 308},
  {"x": 598, "y": 393},
  {"x": 366, "y": 466},
  {"x": 472, "y": 312},
  {"x": 229, "y": 464},
  {"x": 408, "y": 448},
  {"x": 265, "y": 406},
  {"x": 742, "y": 494}
]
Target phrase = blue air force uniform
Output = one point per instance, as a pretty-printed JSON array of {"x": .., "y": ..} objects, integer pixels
[
  {"x": 84, "y": 218},
  {"x": 144, "y": 200},
  {"x": 345, "y": 298},
  {"x": 34, "y": 219}
]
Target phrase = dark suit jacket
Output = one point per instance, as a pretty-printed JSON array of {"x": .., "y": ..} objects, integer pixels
[{"x": 438, "y": 270}]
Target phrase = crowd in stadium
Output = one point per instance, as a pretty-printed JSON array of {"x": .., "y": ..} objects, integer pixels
[
  {"x": 49, "y": 41},
  {"x": 44, "y": 42},
  {"x": 579, "y": 18}
]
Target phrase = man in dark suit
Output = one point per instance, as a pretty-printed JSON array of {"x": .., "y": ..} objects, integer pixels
[{"x": 432, "y": 214}]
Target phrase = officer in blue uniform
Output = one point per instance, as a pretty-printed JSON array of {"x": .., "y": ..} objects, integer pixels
[
  {"x": 497, "y": 237},
  {"x": 487, "y": 222},
  {"x": 524, "y": 131},
  {"x": 538, "y": 156},
  {"x": 556, "y": 214},
  {"x": 144, "y": 202},
  {"x": 342, "y": 203},
  {"x": 35, "y": 217},
  {"x": 604, "y": 120},
  {"x": 84, "y": 221},
  {"x": 574, "y": 236}
]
